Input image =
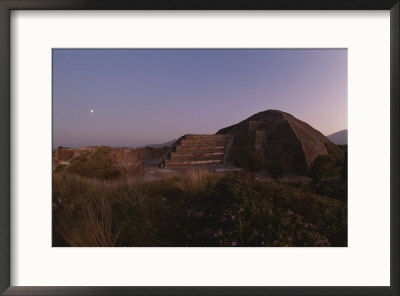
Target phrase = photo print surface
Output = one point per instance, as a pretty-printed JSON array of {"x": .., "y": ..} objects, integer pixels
[{"x": 199, "y": 148}]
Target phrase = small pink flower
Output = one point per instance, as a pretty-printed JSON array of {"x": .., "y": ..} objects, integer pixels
[
  {"x": 241, "y": 209},
  {"x": 289, "y": 239},
  {"x": 233, "y": 217},
  {"x": 215, "y": 234},
  {"x": 234, "y": 244},
  {"x": 290, "y": 212},
  {"x": 262, "y": 243},
  {"x": 262, "y": 235}
]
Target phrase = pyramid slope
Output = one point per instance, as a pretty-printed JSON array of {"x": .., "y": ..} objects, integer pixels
[
  {"x": 312, "y": 141},
  {"x": 281, "y": 137}
]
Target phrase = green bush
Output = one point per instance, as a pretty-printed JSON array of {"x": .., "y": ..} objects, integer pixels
[
  {"x": 343, "y": 171},
  {"x": 96, "y": 165},
  {"x": 250, "y": 159},
  {"x": 255, "y": 160},
  {"x": 336, "y": 151},
  {"x": 323, "y": 166},
  {"x": 277, "y": 169}
]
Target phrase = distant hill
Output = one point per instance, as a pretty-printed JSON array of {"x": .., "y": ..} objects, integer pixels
[
  {"x": 339, "y": 138},
  {"x": 168, "y": 144}
]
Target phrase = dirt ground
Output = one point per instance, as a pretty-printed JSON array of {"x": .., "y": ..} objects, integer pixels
[{"x": 154, "y": 172}]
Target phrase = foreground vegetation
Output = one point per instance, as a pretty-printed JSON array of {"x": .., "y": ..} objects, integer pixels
[{"x": 199, "y": 209}]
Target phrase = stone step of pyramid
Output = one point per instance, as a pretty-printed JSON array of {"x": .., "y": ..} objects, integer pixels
[
  {"x": 200, "y": 148},
  {"x": 197, "y": 156},
  {"x": 173, "y": 163},
  {"x": 197, "y": 149}
]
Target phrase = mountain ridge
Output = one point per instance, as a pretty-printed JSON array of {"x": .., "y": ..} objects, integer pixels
[{"x": 339, "y": 138}]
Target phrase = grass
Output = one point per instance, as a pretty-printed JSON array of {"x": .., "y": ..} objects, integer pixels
[
  {"x": 196, "y": 183},
  {"x": 198, "y": 209}
]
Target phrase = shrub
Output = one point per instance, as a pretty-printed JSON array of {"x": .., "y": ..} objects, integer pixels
[
  {"x": 60, "y": 168},
  {"x": 343, "y": 171},
  {"x": 277, "y": 169},
  {"x": 255, "y": 160},
  {"x": 96, "y": 165},
  {"x": 250, "y": 159},
  {"x": 323, "y": 166},
  {"x": 334, "y": 150}
]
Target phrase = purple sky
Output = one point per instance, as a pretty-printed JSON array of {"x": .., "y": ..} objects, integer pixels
[{"x": 144, "y": 97}]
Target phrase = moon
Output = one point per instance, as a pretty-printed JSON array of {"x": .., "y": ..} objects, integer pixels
[{"x": 91, "y": 110}]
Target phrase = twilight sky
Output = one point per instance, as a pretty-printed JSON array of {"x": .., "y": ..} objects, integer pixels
[{"x": 141, "y": 97}]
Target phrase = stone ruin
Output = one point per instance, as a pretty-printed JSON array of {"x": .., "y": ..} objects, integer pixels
[
  {"x": 197, "y": 149},
  {"x": 279, "y": 136}
]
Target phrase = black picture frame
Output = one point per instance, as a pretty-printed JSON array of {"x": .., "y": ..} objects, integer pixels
[{"x": 7, "y": 6}]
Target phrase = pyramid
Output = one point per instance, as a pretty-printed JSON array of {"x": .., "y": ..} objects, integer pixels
[
  {"x": 280, "y": 137},
  {"x": 194, "y": 149}
]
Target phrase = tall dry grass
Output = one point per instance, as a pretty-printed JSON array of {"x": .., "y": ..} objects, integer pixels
[
  {"x": 200, "y": 208},
  {"x": 95, "y": 213},
  {"x": 94, "y": 226},
  {"x": 196, "y": 182}
]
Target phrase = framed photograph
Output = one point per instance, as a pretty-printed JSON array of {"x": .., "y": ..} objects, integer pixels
[{"x": 167, "y": 148}]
